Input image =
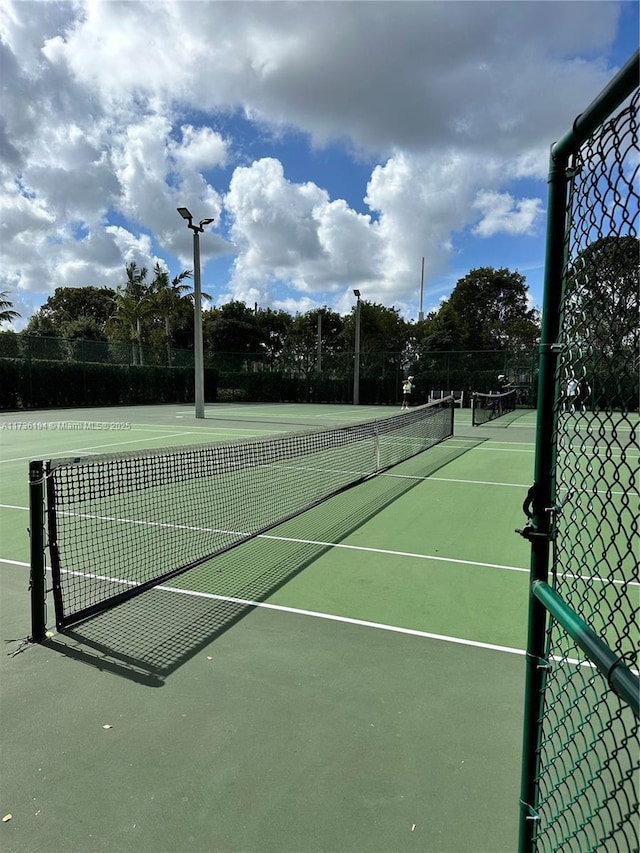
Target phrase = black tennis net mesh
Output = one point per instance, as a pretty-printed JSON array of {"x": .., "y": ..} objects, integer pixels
[
  {"x": 120, "y": 524},
  {"x": 487, "y": 407}
]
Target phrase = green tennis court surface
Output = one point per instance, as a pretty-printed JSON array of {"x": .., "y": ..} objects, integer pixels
[{"x": 352, "y": 680}]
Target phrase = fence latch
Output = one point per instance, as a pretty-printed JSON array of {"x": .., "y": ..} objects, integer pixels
[{"x": 529, "y": 531}]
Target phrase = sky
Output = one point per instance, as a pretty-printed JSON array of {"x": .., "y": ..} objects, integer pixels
[{"x": 335, "y": 144}]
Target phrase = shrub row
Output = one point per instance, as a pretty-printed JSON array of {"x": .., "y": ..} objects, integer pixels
[{"x": 51, "y": 384}]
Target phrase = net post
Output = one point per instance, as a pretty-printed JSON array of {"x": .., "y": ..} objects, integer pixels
[
  {"x": 37, "y": 583},
  {"x": 377, "y": 443}
]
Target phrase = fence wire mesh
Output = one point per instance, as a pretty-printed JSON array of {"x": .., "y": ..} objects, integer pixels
[{"x": 587, "y": 774}]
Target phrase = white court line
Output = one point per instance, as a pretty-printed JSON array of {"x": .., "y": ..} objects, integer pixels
[
  {"x": 582, "y": 449},
  {"x": 208, "y": 429},
  {"x": 347, "y": 620},
  {"x": 363, "y": 623},
  {"x": 433, "y": 558},
  {"x": 480, "y": 441},
  {"x": 245, "y": 602},
  {"x": 322, "y": 544},
  {"x": 91, "y": 450},
  {"x": 427, "y": 479},
  {"x": 526, "y": 486}
]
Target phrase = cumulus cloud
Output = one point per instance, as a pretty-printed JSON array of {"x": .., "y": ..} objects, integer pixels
[
  {"x": 293, "y": 233},
  {"x": 200, "y": 148},
  {"x": 114, "y": 115},
  {"x": 502, "y": 213}
]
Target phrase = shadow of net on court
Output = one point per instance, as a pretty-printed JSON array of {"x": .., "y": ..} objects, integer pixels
[{"x": 148, "y": 637}]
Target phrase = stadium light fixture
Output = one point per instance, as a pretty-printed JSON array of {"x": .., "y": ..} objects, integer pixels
[{"x": 198, "y": 354}]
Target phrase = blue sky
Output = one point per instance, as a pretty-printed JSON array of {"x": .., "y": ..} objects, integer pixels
[{"x": 335, "y": 144}]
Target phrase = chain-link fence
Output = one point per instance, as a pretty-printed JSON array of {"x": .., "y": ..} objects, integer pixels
[
  {"x": 305, "y": 376},
  {"x": 41, "y": 348},
  {"x": 581, "y": 756}
]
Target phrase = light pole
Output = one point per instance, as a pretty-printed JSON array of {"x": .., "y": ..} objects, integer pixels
[
  {"x": 356, "y": 363},
  {"x": 198, "y": 357}
]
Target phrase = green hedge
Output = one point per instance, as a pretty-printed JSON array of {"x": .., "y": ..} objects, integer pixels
[{"x": 51, "y": 384}]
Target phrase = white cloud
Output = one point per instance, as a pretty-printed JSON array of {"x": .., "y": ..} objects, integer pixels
[
  {"x": 502, "y": 213},
  {"x": 110, "y": 122},
  {"x": 201, "y": 148}
]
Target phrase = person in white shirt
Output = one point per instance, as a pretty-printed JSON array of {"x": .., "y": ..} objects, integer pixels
[{"x": 407, "y": 388}]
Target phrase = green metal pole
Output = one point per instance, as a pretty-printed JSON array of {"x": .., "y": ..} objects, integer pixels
[
  {"x": 544, "y": 487},
  {"x": 618, "y": 675},
  {"x": 36, "y": 527},
  {"x": 544, "y": 490},
  {"x": 620, "y": 87}
]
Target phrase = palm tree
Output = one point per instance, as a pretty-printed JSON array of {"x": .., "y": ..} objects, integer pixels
[
  {"x": 133, "y": 304},
  {"x": 7, "y": 314},
  {"x": 166, "y": 297}
]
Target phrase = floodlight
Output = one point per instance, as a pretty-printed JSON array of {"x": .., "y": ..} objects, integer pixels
[{"x": 184, "y": 213}]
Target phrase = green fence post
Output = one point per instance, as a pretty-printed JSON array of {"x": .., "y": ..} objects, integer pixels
[
  {"x": 542, "y": 497},
  {"x": 544, "y": 491},
  {"x": 37, "y": 584}
]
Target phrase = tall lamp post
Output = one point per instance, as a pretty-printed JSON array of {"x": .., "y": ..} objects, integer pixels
[
  {"x": 356, "y": 363},
  {"x": 198, "y": 357}
]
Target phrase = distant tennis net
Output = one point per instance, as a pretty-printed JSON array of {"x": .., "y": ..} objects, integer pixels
[
  {"x": 487, "y": 407},
  {"x": 119, "y": 524}
]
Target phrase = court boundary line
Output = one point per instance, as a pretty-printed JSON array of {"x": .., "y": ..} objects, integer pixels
[
  {"x": 349, "y": 620},
  {"x": 91, "y": 450},
  {"x": 344, "y": 546}
]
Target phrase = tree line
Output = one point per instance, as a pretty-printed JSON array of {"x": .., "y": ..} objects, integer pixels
[{"x": 487, "y": 310}]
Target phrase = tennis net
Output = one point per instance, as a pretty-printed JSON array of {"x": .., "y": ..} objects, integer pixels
[
  {"x": 120, "y": 524},
  {"x": 487, "y": 407}
]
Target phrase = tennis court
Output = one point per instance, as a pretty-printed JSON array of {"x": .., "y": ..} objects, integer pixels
[{"x": 351, "y": 680}]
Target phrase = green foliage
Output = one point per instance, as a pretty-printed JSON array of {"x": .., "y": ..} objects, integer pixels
[
  {"x": 382, "y": 329},
  {"x": 262, "y": 387},
  {"x": 603, "y": 288},
  {"x": 12, "y": 383},
  {"x": 268, "y": 354},
  {"x": 41, "y": 324},
  {"x": 42, "y": 384},
  {"x": 84, "y": 328},
  {"x": 232, "y": 328},
  {"x": 492, "y": 312},
  {"x": 441, "y": 331},
  {"x": 602, "y": 300},
  {"x": 487, "y": 310},
  {"x": 275, "y": 329},
  {"x": 9, "y": 345},
  {"x": 7, "y": 314},
  {"x": 74, "y": 312}
]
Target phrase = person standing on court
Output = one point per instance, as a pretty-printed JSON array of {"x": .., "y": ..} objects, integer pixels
[
  {"x": 407, "y": 388},
  {"x": 503, "y": 386},
  {"x": 573, "y": 389},
  {"x": 503, "y": 383}
]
